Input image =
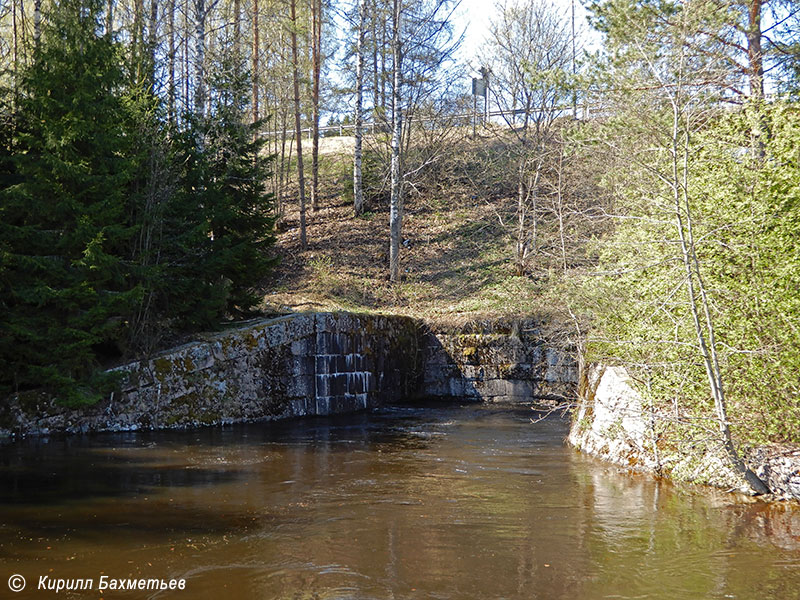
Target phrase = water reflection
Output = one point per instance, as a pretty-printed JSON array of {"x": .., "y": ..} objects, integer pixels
[{"x": 435, "y": 502}]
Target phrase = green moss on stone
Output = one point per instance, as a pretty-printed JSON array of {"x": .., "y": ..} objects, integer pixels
[
  {"x": 251, "y": 340},
  {"x": 163, "y": 367}
]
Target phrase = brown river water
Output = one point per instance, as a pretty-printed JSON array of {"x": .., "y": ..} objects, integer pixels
[{"x": 411, "y": 502}]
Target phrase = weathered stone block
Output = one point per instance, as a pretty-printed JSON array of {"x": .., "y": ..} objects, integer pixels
[
  {"x": 325, "y": 364},
  {"x": 297, "y": 327},
  {"x": 303, "y": 365},
  {"x": 303, "y": 385},
  {"x": 322, "y": 405},
  {"x": 494, "y": 359},
  {"x": 302, "y": 347},
  {"x": 324, "y": 322},
  {"x": 492, "y": 387}
]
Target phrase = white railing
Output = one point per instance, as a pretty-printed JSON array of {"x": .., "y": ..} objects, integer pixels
[{"x": 371, "y": 127}]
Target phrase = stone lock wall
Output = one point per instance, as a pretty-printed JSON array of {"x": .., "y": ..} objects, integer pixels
[
  {"x": 306, "y": 364},
  {"x": 499, "y": 361},
  {"x": 315, "y": 364}
]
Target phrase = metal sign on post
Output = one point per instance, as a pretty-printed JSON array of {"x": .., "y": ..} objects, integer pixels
[
  {"x": 478, "y": 87},
  {"x": 485, "y": 78}
]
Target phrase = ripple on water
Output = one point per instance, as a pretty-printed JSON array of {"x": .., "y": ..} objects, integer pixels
[{"x": 457, "y": 503}]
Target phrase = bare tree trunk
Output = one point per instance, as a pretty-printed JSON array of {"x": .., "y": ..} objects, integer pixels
[
  {"x": 283, "y": 162},
  {"x": 137, "y": 35},
  {"x": 375, "y": 79},
  {"x": 523, "y": 196},
  {"x": 256, "y": 50},
  {"x": 171, "y": 60},
  {"x": 560, "y": 205},
  {"x": 287, "y": 174},
  {"x": 298, "y": 130},
  {"x": 137, "y": 32},
  {"x": 521, "y": 251},
  {"x": 408, "y": 118},
  {"x": 200, "y": 57},
  {"x": 237, "y": 30},
  {"x": 396, "y": 207},
  {"x": 37, "y": 20},
  {"x": 704, "y": 330},
  {"x": 316, "y": 59},
  {"x": 755, "y": 55},
  {"x": 533, "y": 191},
  {"x": 185, "y": 58},
  {"x": 358, "y": 189},
  {"x": 152, "y": 38},
  {"x": 382, "y": 70},
  {"x": 755, "y": 59},
  {"x": 572, "y": 62},
  {"x": 15, "y": 46}
]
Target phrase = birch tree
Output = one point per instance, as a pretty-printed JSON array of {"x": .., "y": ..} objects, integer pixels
[
  {"x": 255, "y": 59},
  {"x": 529, "y": 53},
  {"x": 200, "y": 14},
  {"x": 396, "y": 202},
  {"x": 358, "y": 189},
  {"x": 665, "y": 93},
  {"x": 421, "y": 42}
]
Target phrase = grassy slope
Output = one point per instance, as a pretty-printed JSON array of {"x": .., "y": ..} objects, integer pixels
[{"x": 456, "y": 264}]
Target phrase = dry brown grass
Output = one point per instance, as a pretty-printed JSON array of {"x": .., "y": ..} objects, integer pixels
[{"x": 456, "y": 259}]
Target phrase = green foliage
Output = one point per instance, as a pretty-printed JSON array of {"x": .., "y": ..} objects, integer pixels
[
  {"x": 117, "y": 230},
  {"x": 747, "y": 219},
  {"x": 7, "y": 179},
  {"x": 756, "y": 265},
  {"x": 374, "y": 176},
  {"x": 66, "y": 219},
  {"x": 222, "y": 214},
  {"x": 150, "y": 194},
  {"x": 681, "y": 167}
]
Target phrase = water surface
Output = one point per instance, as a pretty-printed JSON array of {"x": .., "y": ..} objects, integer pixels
[{"x": 442, "y": 502}]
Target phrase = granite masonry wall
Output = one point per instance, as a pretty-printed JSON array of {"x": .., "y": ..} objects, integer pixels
[
  {"x": 613, "y": 422},
  {"x": 305, "y": 364},
  {"x": 315, "y": 364},
  {"x": 499, "y": 361}
]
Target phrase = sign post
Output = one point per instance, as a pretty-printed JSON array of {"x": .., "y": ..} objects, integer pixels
[
  {"x": 485, "y": 74},
  {"x": 480, "y": 88},
  {"x": 474, "y": 112}
]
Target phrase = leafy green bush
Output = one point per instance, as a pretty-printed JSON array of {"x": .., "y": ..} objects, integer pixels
[{"x": 746, "y": 218}]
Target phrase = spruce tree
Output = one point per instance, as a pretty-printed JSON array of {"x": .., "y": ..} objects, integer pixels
[
  {"x": 116, "y": 231},
  {"x": 66, "y": 221},
  {"x": 240, "y": 210},
  {"x": 7, "y": 180},
  {"x": 222, "y": 218}
]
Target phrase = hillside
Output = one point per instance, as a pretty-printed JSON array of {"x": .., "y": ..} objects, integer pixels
[{"x": 456, "y": 255}]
